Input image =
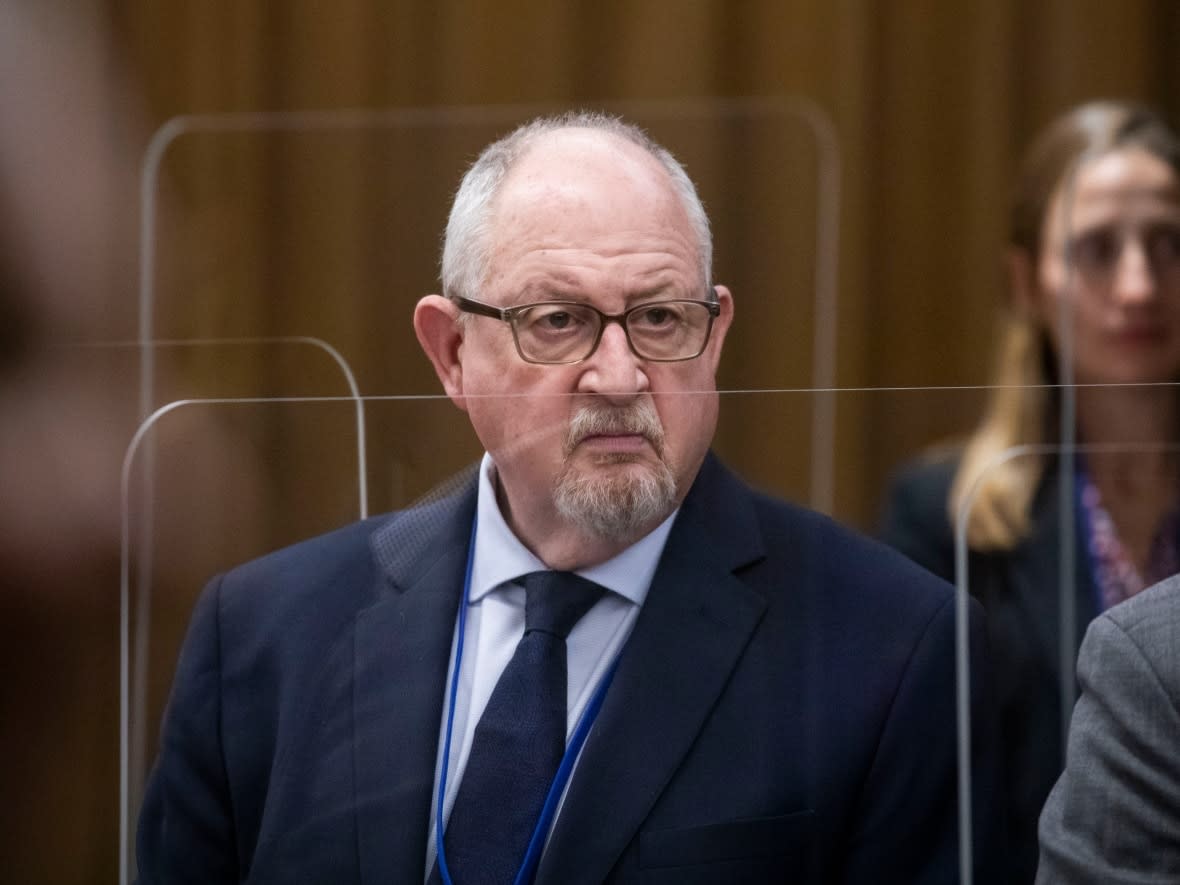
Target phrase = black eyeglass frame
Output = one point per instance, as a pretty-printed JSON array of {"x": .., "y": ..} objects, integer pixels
[{"x": 509, "y": 314}]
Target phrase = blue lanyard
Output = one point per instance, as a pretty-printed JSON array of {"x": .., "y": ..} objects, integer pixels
[{"x": 532, "y": 856}]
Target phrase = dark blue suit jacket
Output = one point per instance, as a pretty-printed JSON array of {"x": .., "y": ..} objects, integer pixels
[{"x": 783, "y": 711}]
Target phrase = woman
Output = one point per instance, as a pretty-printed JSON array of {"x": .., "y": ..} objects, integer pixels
[{"x": 1095, "y": 219}]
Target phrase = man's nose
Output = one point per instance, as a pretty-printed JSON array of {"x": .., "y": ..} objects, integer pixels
[
  {"x": 1134, "y": 278},
  {"x": 613, "y": 370}
]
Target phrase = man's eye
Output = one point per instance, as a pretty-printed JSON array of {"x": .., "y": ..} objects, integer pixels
[
  {"x": 543, "y": 320},
  {"x": 557, "y": 320},
  {"x": 655, "y": 318}
]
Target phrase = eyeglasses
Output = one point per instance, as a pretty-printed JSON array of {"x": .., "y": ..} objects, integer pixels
[{"x": 558, "y": 332}]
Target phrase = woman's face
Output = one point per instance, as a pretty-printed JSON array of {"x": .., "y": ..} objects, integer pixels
[{"x": 1121, "y": 228}]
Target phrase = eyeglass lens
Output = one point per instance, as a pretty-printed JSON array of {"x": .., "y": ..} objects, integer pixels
[{"x": 565, "y": 332}]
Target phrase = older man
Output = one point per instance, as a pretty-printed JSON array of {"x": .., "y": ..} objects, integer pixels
[{"x": 604, "y": 659}]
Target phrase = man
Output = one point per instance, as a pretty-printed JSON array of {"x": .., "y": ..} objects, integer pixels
[
  {"x": 767, "y": 696},
  {"x": 1114, "y": 814}
]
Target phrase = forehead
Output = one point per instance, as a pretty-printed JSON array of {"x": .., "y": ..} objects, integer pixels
[
  {"x": 588, "y": 190},
  {"x": 1120, "y": 185}
]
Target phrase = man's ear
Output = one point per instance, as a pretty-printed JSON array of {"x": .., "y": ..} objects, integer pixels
[
  {"x": 436, "y": 323},
  {"x": 1021, "y": 271},
  {"x": 720, "y": 327}
]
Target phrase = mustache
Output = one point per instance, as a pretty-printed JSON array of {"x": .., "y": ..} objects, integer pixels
[{"x": 639, "y": 419}]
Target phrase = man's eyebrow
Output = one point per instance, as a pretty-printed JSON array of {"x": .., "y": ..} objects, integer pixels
[
  {"x": 659, "y": 290},
  {"x": 559, "y": 286}
]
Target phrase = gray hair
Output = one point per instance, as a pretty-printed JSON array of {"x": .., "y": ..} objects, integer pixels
[{"x": 467, "y": 242}]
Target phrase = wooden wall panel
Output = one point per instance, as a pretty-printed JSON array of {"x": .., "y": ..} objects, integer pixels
[
  {"x": 285, "y": 235},
  {"x": 934, "y": 223}
]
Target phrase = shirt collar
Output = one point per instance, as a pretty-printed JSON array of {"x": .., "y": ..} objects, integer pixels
[{"x": 501, "y": 557}]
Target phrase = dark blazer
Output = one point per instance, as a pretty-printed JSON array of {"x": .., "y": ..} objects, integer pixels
[
  {"x": 1019, "y": 592},
  {"x": 783, "y": 711}
]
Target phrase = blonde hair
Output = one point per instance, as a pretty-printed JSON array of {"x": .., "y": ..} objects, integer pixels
[{"x": 1022, "y": 405}]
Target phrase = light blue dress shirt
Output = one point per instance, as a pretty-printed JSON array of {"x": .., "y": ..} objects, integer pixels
[{"x": 495, "y": 624}]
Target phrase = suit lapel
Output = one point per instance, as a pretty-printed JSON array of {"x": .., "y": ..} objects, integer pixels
[
  {"x": 694, "y": 625},
  {"x": 403, "y": 646}
]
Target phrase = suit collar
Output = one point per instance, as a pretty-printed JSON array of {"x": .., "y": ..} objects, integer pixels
[
  {"x": 690, "y": 634},
  {"x": 408, "y": 544},
  {"x": 501, "y": 557}
]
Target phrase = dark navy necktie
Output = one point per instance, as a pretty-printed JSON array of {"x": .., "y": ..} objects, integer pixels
[{"x": 519, "y": 740}]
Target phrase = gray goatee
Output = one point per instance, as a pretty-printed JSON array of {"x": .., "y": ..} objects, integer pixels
[{"x": 616, "y": 506}]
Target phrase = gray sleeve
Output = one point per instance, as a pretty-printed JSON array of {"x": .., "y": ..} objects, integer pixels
[{"x": 1114, "y": 815}]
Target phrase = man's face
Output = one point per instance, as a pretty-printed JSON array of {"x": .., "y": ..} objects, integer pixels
[{"x": 612, "y": 442}]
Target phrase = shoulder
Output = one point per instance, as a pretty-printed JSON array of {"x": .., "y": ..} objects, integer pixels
[
  {"x": 344, "y": 570},
  {"x": 286, "y": 602},
  {"x": 284, "y": 577},
  {"x": 1155, "y": 609},
  {"x": 1148, "y": 622},
  {"x": 313, "y": 557},
  {"x": 849, "y": 577}
]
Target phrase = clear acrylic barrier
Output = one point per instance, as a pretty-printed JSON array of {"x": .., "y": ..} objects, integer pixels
[
  {"x": 273, "y": 476},
  {"x": 212, "y": 453},
  {"x": 1067, "y": 438},
  {"x": 344, "y": 257},
  {"x": 322, "y": 228},
  {"x": 1042, "y": 595},
  {"x": 1064, "y": 532}
]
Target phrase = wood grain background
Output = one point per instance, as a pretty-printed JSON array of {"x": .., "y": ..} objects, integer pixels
[{"x": 332, "y": 231}]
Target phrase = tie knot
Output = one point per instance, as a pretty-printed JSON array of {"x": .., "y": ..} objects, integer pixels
[{"x": 557, "y": 600}]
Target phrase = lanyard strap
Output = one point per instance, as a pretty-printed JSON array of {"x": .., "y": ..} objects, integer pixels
[
  {"x": 532, "y": 857},
  {"x": 444, "y": 873}
]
